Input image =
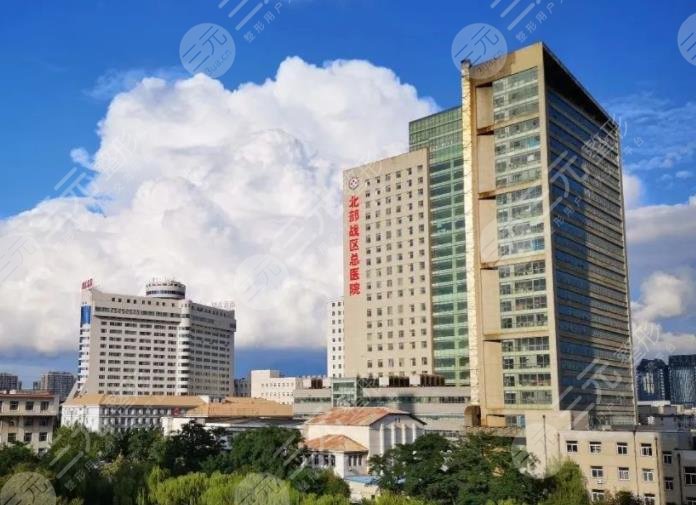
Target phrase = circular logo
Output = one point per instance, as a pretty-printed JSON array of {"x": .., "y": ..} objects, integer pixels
[
  {"x": 353, "y": 183},
  {"x": 686, "y": 38},
  {"x": 207, "y": 48},
  {"x": 481, "y": 44},
  {"x": 28, "y": 488}
]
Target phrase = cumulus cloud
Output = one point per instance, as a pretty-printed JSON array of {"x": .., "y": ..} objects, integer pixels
[
  {"x": 633, "y": 190},
  {"x": 234, "y": 192}
]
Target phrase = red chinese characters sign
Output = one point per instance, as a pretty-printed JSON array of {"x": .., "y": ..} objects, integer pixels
[{"x": 353, "y": 245}]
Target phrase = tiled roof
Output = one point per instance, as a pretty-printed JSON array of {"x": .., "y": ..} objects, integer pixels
[
  {"x": 334, "y": 443},
  {"x": 136, "y": 401},
  {"x": 241, "y": 407},
  {"x": 354, "y": 416}
]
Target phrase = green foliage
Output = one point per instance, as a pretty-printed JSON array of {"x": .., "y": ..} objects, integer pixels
[
  {"x": 16, "y": 454},
  {"x": 135, "y": 444},
  {"x": 320, "y": 482},
  {"x": 182, "y": 490},
  {"x": 620, "y": 498},
  {"x": 274, "y": 451},
  {"x": 186, "y": 451},
  {"x": 567, "y": 486},
  {"x": 394, "y": 499}
]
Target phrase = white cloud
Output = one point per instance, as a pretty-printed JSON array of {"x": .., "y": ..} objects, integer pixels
[
  {"x": 683, "y": 174},
  {"x": 665, "y": 295},
  {"x": 633, "y": 190},
  {"x": 113, "y": 82},
  {"x": 236, "y": 193}
]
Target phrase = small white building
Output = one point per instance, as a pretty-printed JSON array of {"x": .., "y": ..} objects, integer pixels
[
  {"x": 343, "y": 439},
  {"x": 274, "y": 386}
]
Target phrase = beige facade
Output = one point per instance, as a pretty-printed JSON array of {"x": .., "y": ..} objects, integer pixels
[
  {"x": 657, "y": 466},
  {"x": 28, "y": 417},
  {"x": 386, "y": 268},
  {"x": 158, "y": 344},
  {"x": 507, "y": 271}
]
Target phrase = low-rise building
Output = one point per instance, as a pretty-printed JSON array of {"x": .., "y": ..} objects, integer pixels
[
  {"x": 658, "y": 466},
  {"x": 273, "y": 385},
  {"x": 442, "y": 408},
  {"x": 343, "y": 439},
  {"x": 101, "y": 413},
  {"x": 28, "y": 417},
  {"x": 233, "y": 415}
]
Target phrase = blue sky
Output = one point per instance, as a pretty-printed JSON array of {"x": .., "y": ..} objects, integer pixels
[{"x": 64, "y": 62}]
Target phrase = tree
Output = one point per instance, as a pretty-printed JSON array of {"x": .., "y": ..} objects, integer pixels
[
  {"x": 186, "y": 451},
  {"x": 275, "y": 451},
  {"x": 182, "y": 490},
  {"x": 567, "y": 486},
  {"x": 320, "y": 482},
  {"x": 16, "y": 454}
]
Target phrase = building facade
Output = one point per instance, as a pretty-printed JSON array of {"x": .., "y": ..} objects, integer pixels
[
  {"x": 335, "y": 352},
  {"x": 493, "y": 253},
  {"x": 103, "y": 413},
  {"x": 157, "y": 344},
  {"x": 28, "y": 417},
  {"x": 242, "y": 388},
  {"x": 682, "y": 378},
  {"x": 9, "y": 382},
  {"x": 652, "y": 380},
  {"x": 58, "y": 383}
]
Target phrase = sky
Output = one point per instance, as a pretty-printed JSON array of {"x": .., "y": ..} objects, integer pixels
[{"x": 120, "y": 165}]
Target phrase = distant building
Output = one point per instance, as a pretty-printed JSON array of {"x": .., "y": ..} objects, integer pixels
[
  {"x": 103, "y": 413},
  {"x": 58, "y": 383},
  {"x": 335, "y": 347},
  {"x": 28, "y": 417},
  {"x": 158, "y": 344},
  {"x": 682, "y": 378},
  {"x": 242, "y": 388},
  {"x": 9, "y": 382},
  {"x": 273, "y": 385},
  {"x": 652, "y": 376}
]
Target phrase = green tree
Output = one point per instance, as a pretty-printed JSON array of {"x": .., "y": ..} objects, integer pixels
[
  {"x": 567, "y": 486},
  {"x": 186, "y": 451},
  {"x": 275, "y": 451},
  {"x": 16, "y": 454},
  {"x": 320, "y": 482},
  {"x": 182, "y": 490}
]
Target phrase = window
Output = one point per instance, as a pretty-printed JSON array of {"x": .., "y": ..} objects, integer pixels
[
  {"x": 595, "y": 447},
  {"x": 11, "y": 437},
  {"x": 690, "y": 475},
  {"x": 624, "y": 473},
  {"x": 43, "y": 436},
  {"x": 29, "y": 406},
  {"x": 622, "y": 448},
  {"x": 572, "y": 446},
  {"x": 646, "y": 450},
  {"x": 649, "y": 499},
  {"x": 667, "y": 458},
  {"x": 691, "y": 501},
  {"x": 14, "y": 404},
  {"x": 648, "y": 475},
  {"x": 669, "y": 484},
  {"x": 597, "y": 495},
  {"x": 597, "y": 472},
  {"x": 27, "y": 438}
]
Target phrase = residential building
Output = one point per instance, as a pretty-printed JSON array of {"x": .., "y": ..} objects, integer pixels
[
  {"x": 493, "y": 253},
  {"x": 335, "y": 353},
  {"x": 58, "y": 383},
  {"x": 658, "y": 466},
  {"x": 157, "y": 344},
  {"x": 682, "y": 379},
  {"x": 102, "y": 413},
  {"x": 9, "y": 382},
  {"x": 273, "y": 385},
  {"x": 242, "y": 388},
  {"x": 652, "y": 377},
  {"x": 29, "y": 417}
]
